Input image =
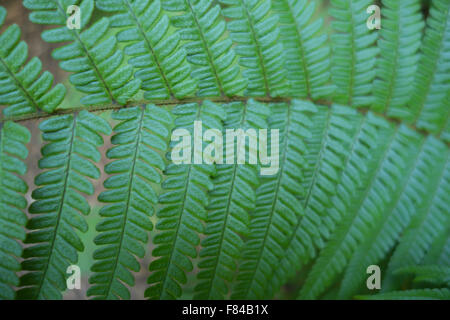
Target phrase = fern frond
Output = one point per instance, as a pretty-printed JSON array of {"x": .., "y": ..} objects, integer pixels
[
  {"x": 364, "y": 209},
  {"x": 13, "y": 152},
  {"x": 212, "y": 55},
  {"x": 431, "y": 97},
  {"x": 307, "y": 52},
  {"x": 439, "y": 252},
  {"x": 154, "y": 49},
  {"x": 400, "y": 39},
  {"x": 254, "y": 27},
  {"x": 184, "y": 201},
  {"x": 419, "y": 294},
  {"x": 68, "y": 160},
  {"x": 277, "y": 205},
  {"x": 344, "y": 142},
  {"x": 22, "y": 86},
  {"x": 140, "y": 136},
  {"x": 233, "y": 197},
  {"x": 96, "y": 61},
  {"x": 445, "y": 135},
  {"x": 432, "y": 274},
  {"x": 433, "y": 216},
  {"x": 354, "y": 57},
  {"x": 383, "y": 236}
]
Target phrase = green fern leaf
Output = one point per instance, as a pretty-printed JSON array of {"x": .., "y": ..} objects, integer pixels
[
  {"x": 365, "y": 211},
  {"x": 399, "y": 44},
  {"x": 351, "y": 188},
  {"x": 433, "y": 216},
  {"x": 383, "y": 236},
  {"x": 354, "y": 57},
  {"x": 431, "y": 97},
  {"x": 307, "y": 52},
  {"x": 338, "y": 165},
  {"x": 141, "y": 135},
  {"x": 439, "y": 252},
  {"x": 13, "y": 152},
  {"x": 22, "y": 86},
  {"x": 68, "y": 161},
  {"x": 95, "y": 59},
  {"x": 233, "y": 196},
  {"x": 254, "y": 27},
  {"x": 445, "y": 135},
  {"x": 213, "y": 58},
  {"x": 277, "y": 205},
  {"x": 420, "y": 294},
  {"x": 432, "y": 274},
  {"x": 183, "y": 210},
  {"x": 155, "y": 52}
]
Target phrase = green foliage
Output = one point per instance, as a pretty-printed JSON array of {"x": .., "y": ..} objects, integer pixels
[
  {"x": 139, "y": 135},
  {"x": 68, "y": 160},
  {"x": 184, "y": 201},
  {"x": 13, "y": 138},
  {"x": 399, "y": 42},
  {"x": 306, "y": 51},
  {"x": 434, "y": 274},
  {"x": 363, "y": 125},
  {"x": 22, "y": 87},
  {"x": 418, "y": 294},
  {"x": 233, "y": 196},
  {"x": 94, "y": 58},
  {"x": 277, "y": 201},
  {"x": 384, "y": 235},
  {"x": 213, "y": 60},
  {"x": 353, "y": 54},
  {"x": 429, "y": 103},
  {"x": 155, "y": 52}
]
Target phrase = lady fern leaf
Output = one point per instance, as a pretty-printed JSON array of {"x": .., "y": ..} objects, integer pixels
[
  {"x": 96, "y": 61},
  {"x": 68, "y": 160},
  {"x": 22, "y": 87},
  {"x": 432, "y": 217},
  {"x": 183, "y": 210},
  {"x": 234, "y": 195},
  {"x": 362, "y": 176},
  {"x": 307, "y": 51},
  {"x": 155, "y": 52},
  {"x": 277, "y": 201},
  {"x": 365, "y": 211},
  {"x": 418, "y": 294},
  {"x": 353, "y": 54},
  {"x": 399, "y": 44},
  {"x": 383, "y": 236},
  {"x": 254, "y": 27},
  {"x": 140, "y": 136},
  {"x": 212, "y": 57},
  {"x": 13, "y": 152}
]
